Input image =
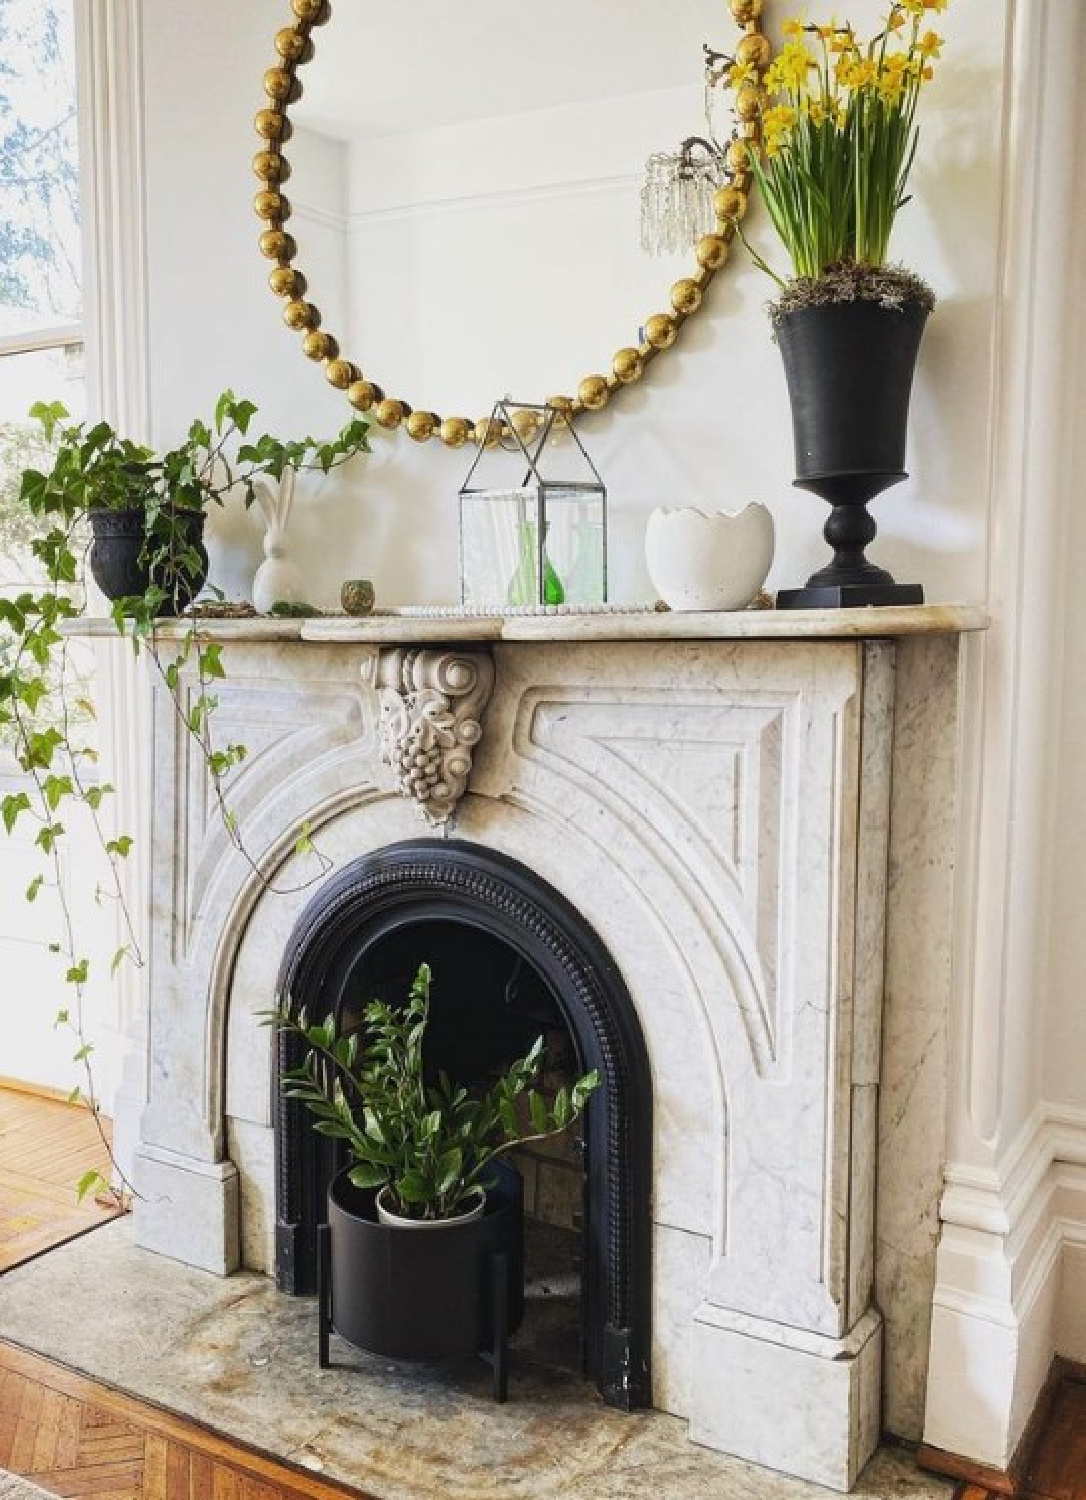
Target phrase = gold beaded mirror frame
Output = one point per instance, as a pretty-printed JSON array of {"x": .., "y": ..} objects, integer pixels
[{"x": 295, "y": 46}]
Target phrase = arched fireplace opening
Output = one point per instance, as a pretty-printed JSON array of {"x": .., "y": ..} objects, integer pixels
[{"x": 511, "y": 958}]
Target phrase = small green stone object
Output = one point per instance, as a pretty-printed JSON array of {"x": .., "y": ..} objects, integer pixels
[
  {"x": 357, "y": 596},
  {"x": 288, "y": 609}
]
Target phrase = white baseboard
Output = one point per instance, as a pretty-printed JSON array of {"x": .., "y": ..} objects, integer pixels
[
  {"x": 1010, "y": 1288},
  {"x": 1071, "y": 1333}
]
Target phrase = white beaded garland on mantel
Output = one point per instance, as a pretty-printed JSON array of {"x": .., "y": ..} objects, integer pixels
[{"x": 506, "y": 611}]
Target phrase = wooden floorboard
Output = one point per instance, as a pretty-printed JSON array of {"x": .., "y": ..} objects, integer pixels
[
  {"x": 46, "y": 1146},
  {"x": 1056, "y": 1469},
  {"x": 1054, "y": 1465},
  {"x": 76, "y": 1438}
]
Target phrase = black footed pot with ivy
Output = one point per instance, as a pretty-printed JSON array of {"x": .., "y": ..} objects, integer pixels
[
  {"x": 155, "y": 504},
  {"x": 147, "y": 509}
]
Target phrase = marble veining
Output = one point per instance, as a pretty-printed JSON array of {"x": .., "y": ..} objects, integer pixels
[{"x": 722, "y": 811}]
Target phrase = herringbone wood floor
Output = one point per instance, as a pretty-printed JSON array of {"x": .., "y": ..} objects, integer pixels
[
  {"x": 45, "y": 1147},
  {"x": 77, "y": 1438}
]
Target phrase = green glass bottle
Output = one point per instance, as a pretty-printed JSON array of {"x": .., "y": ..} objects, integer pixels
[{"x": 522, "y": 586}]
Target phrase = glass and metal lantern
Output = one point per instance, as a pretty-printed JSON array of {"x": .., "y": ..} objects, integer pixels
[{"x": 536, "y": 533}]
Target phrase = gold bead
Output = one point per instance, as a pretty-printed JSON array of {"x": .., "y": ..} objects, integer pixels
[
  {"x": 278, "y": 84},
  {"x": 729, "y": 203},
  {"x": 389, "y": 413},
  {"x": 755, "y": 50},
  {"x": 301, "y": 315},
  {"x": 271, "y": 124},
  {"x": 686, "y": 296},
  {"x": 748, "y": 103},
  {"x": 272, "y": 205},
  {"x": 421, "y": 425},
  {"x": 711, "y": 251},
  {"x": 487, "y": 431},
  {"x": 561, "y": 403},
  {"x": 737, "y": 156},
  {"x": 628, "y": 365},
  {"x": 745, "y": 11},
  {"x": 319, "y": 345},
  {"x": 660, "y": 331},
  {"x": 341, "y": 373},
  {"x": 455, "y": 431},
  {"x": 286, "y": 282},
  {"x": 363, "y": 394},
  {"x": 593, "y": 393},
  {"x": 292, "y": 46},
  {"x": 270, "y": 167},
  {"x": 311, "y": 12},
  {"x": 525, "y": 424},
  {"x": 277, "y": 244}
]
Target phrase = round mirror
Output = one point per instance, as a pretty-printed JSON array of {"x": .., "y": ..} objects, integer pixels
[{"x": 429, "y": 144}]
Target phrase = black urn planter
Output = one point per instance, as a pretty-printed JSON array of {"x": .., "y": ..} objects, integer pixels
[
  {"x": 849, "y": 368},
  {"x": 120, "y": 568},
  {"x": 423, "y": 1294}
]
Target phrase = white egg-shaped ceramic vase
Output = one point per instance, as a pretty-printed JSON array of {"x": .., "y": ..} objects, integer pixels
[{"x": 700, "y": 560}]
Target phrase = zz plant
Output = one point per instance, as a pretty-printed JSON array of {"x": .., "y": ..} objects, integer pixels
[
  {"x": 44, "y": 711},
  {"x": 429, "y": 1143}
]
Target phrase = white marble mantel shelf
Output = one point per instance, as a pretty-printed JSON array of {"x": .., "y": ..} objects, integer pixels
[{"x": 762, "y": 624}]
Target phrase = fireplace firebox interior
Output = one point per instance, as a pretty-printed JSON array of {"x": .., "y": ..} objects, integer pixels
[{"x": 511, "y": 960}]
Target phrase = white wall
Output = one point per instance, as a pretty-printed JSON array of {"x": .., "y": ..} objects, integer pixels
[
  {"x": 709, "y": 423},
  {"x": 988, "y": 514},
  {"x": 33, "y": 1047}
]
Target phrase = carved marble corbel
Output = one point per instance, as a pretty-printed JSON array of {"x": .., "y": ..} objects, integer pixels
[{"x": 431, "y": 708}]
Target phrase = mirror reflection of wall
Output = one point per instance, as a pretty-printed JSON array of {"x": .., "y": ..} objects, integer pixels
[{"x": 466, "y": 186}]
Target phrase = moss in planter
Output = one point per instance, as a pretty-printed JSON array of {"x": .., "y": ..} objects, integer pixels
[{"x": 889, "y": 286}]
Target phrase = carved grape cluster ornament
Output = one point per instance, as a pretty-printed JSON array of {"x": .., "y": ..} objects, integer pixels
[
  {"x": 431, "y": 707},
  {"x": 294, "y": 47}
]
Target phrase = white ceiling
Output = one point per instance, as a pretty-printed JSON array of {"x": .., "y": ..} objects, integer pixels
[{"x": 381, "y": 68}]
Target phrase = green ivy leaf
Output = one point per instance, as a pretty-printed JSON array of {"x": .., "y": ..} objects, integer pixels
[
  {"x": 12, "y": 806},
  {"x": 90, "y": 1183}
]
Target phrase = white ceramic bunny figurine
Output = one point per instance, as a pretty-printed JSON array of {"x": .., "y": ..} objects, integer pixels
[{"x": 277, "y": 580}]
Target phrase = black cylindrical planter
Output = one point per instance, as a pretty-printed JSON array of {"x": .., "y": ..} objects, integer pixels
[
  {"x": 423, "y": 1294},
  {"x": 849, "y": 368},
  {"x": 117, "y": 557}
]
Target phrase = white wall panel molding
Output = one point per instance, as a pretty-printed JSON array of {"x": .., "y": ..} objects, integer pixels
[
  {"x": 1011, "y": 1277},
  {"x": 116, "y": 318}
]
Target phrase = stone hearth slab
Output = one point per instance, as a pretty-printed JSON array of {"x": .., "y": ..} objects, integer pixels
[{"x": 238, "y": 1356}]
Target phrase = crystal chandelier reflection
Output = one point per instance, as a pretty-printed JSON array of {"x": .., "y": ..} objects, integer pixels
[
  {"x": 677, "y": 196},
  {"x": 679, "y": 186}
]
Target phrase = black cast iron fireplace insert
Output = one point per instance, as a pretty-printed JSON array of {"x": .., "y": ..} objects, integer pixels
[{"x": 363, "y": 933}]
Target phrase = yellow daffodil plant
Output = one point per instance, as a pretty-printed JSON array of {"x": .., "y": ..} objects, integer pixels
[{"x": 838, "y": 137}]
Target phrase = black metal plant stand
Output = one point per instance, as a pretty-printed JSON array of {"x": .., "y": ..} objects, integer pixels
[{"x": 497, "y": 1356}]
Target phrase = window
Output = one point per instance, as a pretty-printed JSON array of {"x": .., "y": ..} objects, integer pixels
[
  {"x": 41, "y": 336},
  {"x": 41, "y": 359}
]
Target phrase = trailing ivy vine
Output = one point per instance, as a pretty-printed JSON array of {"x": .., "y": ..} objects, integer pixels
[{"x": 93, "y": 469}]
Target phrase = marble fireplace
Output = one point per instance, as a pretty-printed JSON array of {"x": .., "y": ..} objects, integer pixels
[{"x": 752, "y": 818}]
